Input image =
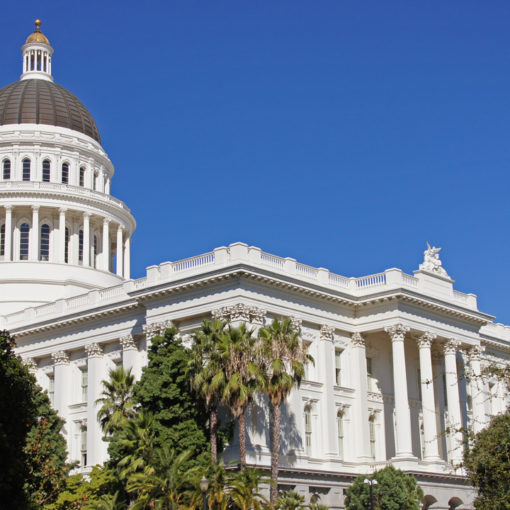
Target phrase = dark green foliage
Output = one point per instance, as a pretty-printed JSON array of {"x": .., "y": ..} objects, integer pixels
[
  {"x": 394, "y": 491},
  {"x": 488, "y": 465},
  {"x": 180, "y": 420},
  {"x": 289, "y": 500}
]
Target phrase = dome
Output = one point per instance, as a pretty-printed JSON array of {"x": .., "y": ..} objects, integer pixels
[
  {"x": 34, "y": 101},
  {"x": 37, "y": 36}
]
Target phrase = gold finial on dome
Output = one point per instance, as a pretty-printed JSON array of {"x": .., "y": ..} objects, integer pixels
[{"x": 37, "y": 36}]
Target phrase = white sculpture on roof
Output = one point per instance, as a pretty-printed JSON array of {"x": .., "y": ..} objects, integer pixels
[{"x": 431, "y": 261}]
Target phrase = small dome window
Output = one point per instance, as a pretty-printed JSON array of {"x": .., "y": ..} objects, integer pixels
[
  {"x": 44, "y": 250},
  {"x": 24, "y": 233},
  {"x": 65, "y": 173},
  {"x": 67, "y": 242},
  {"x": 80, "y": 246},
  {"x": 7, "y": 169},
  {"x": 26, "y": 169},
  {"x": 46, "y": 168},
  {"x": 82, "y": 176},
  {"x": 2, "y": 240}
]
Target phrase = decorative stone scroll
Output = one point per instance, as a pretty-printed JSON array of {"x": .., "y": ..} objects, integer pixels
[
  {"x": 327, "y": 332},
  {"x": 397, "y": 332},
  {"x": 358, "y": 340},
  {"x": 240, "y": 312},
  {"x": 128, "y": 343},
  {"x": 60, "y": 358},
  {"x": 94, "y": 350},
  {"x": 425, "y": 340},
  {"x": 451, "y": 346},
  {"x": 156, "y": 328}
]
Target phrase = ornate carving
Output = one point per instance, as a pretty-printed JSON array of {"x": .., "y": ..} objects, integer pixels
[
  {"x": 156, "y": 328},
  {"x": 60, "y": 358},
  {"x": 358, "y": 340},
  {"x": 30, "y": 364},
  {"x": 397, "y": 332},
  {"x": 128, "y": 343},
  {"x": 451, "y": 346},
  {"x": 240, "y": 312},
  {"x": 327, "y": 332},
  {"x": 94, "y": 350},
  {"x": 425, "y": 340},
  {"x": 296, "y": 323},
  {"x": 431, "y": 262},
  {"x": 475, "y": 353}
]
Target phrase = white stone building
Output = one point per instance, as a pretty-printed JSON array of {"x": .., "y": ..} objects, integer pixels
[{"x": 390, "y": 349}]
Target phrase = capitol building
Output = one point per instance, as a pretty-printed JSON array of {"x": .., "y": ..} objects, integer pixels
[{"x": 398, "y": 357}]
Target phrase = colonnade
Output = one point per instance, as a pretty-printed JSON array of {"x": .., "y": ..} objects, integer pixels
[{"x": 89, "y": 245}]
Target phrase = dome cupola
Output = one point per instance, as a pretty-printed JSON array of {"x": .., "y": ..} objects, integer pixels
[{"x": 37, "y": 54}]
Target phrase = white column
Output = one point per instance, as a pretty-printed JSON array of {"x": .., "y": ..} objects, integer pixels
[
  {"x": 120, "y": 255},
  {"x": 8, "y": 233},
  {"x": 86, "y": 239},
  {"x": 430, "y": 437},
  {"x": 96, "y": 447},
  {"x": 62, "y": 236},
  {"x": 127, "y": 257},
  {"x": 63, "y": 385},
  {"x": 360, "y": 408},
  {"x": 326, "y": 376},
  {"x": 105, "y": 254},
  {"x": 477, "y": 389},
  {"x": 403, "y": 439},
  {"x": 452, "y": 395},
  {"x": 130, "y": 356},
  {"x": 34, "y": 234}
]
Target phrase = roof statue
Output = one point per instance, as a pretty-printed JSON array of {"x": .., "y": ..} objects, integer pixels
[{"x": 432, "y": 263}]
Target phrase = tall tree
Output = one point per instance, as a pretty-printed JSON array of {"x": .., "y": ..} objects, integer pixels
[
  {"x": 283, "y": 358},
  {"x": 243, "y": 376},
  {"x": 207, "y": 367},
  {"x": 488, "y": 464},
  {"x": 116, "y": 401},
  {"x": 164, "y": 390}
]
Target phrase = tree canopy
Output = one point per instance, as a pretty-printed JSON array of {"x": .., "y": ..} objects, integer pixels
[{"x": 488, "y": 464}]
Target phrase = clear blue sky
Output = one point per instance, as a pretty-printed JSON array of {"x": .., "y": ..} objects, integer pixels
[{"x": 344, "y": 134}]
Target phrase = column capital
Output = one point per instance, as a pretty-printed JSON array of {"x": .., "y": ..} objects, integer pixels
[
  {"x": 425, "y": 340},
  {"x": 8, "y": 207},
  {"x": 397, "y": 332},
  {"x": 451, "y": 346},
  {"x": 475, "y": 352},
  {"x": 60, "y": 358},
  {"x": 358, "y": 340},
  {"x": 128, "y": 343},
  {"x": 30, "y": 364},
  {"x": 120, "y": 228},
  {"x": 86, "y": 214},
  {"x": 156, "y": 328},
  {"x": 62, "y": 210},
  {"x": 327, "y": 332},
  {"x": 36, "y": 207},
  {"x": 295, "y": 323},
  {"x": 106, "y": 221},
  {"x": 94, "y": 350}
]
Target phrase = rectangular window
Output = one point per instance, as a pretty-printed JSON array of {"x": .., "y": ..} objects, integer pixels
[
  {"x": 2, "y": 240},
  {"x": 338, "y": 367},
  {"x": 340, "y": 434},
  {"x": 83, "y": 447},
  {"x": 307, "y": 375},
  {"x": 65, "y": 173},
  {"x": 46, "y": 171},
  {"x": 84, "y": 384},
  {"x": 370, "y": 378},
  {"x": 7, "y": 170},
  {"x": 308, "y": 431},
  {"x": 371, "y": 424},
  {"x": 26, "y": 169},
  {"x": 419, "y": 385},
  {"x": 80, "y": 246},
  {"x": 51, "y": 388},
  {"x": 82, "y": 176}
]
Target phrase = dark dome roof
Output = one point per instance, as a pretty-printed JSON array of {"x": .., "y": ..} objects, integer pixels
[{"x": 38, "y": 101}]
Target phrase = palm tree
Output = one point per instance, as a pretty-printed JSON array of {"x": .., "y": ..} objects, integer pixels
[
  {"x": 243, "y": 376},
  {"x": 166, "y": 486},
  {"x": 244, "y": 491},
  {"x": 208, "y": 374},
  {"x": 117, "y": 400},
  {"x": 283, "y": 358}
]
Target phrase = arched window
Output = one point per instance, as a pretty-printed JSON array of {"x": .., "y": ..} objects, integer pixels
[
  {"x": 24, "y": 233},
  {"x": 44, "y": 250},
  {"x": 82, "y": 176},
  {"x": 26, "y": 169},
  {"x": 46, "y": 170},
  {"x": 65, "y": 173},
  {"x": 2, "y": 240},
  {"x": 371, "y": 426},
  {"x": 66, "y": 250},
  {"x": 340, "y": 433},
  {"x": 7, "y": 169},
  {"x": 80, "y": 246},
  {"x": 95, "y": 252},
  {"x": 308, "y": 430}
]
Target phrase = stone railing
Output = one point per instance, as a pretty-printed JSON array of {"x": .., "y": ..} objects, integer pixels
[{"x": 240, "y": 253}]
